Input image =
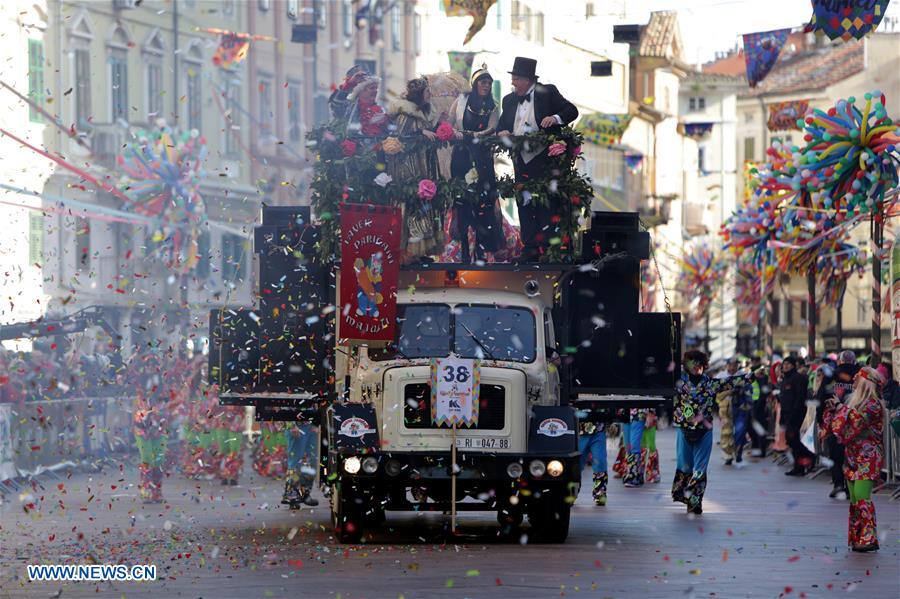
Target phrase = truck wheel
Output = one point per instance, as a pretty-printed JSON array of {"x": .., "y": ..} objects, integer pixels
[
  {"x": 346, "y": 516},
  {"x": 549, "y": 517}
]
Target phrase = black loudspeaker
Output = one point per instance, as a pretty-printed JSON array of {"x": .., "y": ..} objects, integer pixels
[
  {"x": 626, "y": 34},
  {"x": 296, "y": 304},
  {"x": 234, "y": 349},
  {"x": 303, "y": 33}
]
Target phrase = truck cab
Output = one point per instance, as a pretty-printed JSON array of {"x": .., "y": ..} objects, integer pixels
[{"x": 552, "y": 343}]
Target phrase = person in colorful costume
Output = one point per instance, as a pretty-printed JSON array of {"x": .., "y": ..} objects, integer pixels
[
  {"x": 228, "y": 432},
  {"x": 199, "y": 460},
  {"x": 303, "y": 462},
  {"x": 150, "y": 427},
  {"x": 726, "y": 416},
  {"x": 634, "y": 459},
  {"x": 695, "y": 402},
  {"x": 741, "y": 410},
  {"x": 649, "y": 454},
  {"x": 270, "y": 453},
  {"x": 858, "y": 425},
  {"x": 592, "y": 440}
]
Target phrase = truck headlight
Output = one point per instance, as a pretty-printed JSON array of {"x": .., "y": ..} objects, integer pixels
[
  {"x": 351, "y": 465},
  {"x": 392, "y": 467},
  {"x": 537, "y": 468},
  {"x": 514, "y": 470},
  {"x": 554, "y": 468},
  {"x": 370, "y": 465}
]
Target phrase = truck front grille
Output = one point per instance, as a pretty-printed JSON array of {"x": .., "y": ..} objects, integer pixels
[{"x": 417, "y": 407}]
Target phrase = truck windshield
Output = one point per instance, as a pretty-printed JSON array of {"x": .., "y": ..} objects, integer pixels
[{"x": 472, "y": 331}]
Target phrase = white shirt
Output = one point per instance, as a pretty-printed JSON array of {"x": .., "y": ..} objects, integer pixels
[{"x": 526, "y": 122}]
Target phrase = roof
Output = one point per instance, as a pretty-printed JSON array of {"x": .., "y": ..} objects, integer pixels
[
  {"x": 813, "y": 70},
  {"x": 713, "y": 79},
  {"x": 660, "y": 34}
]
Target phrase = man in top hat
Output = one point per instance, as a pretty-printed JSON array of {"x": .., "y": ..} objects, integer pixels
[{"x": 533, "y": 107}]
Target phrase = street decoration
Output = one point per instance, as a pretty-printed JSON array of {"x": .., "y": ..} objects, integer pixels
[
  {"x": 370, "y": 271},
  {"x": 761, "y": 52},
  {"x": 604, "y": 129},
  {"x": 634, "y": 161},
  {"x": 895, "y": 307},
  {"x": 702, "y": 273},
  {"x": 455, "y": 384},
  {"x": 783, "y": 116},
  {"x": 461, "y": 62},
  {"x": 477, "y": 9},
  {"x": 696, "y": 131},
  {"x": 836, "y": 267},
  {"x": 233, "y": 46},
  {"x": 846, "y": 19},
  {"x": 162, "y": 169}
]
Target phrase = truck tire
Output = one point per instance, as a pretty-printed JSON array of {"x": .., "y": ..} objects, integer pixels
[
  {"x": 549, "y": 517},
  {"x": 346, "y": 516}
]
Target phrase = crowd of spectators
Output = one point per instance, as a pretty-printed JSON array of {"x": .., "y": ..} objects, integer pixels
[{"x": 44, "y": 375}]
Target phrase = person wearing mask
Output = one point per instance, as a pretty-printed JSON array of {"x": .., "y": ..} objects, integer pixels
[
  {"x": 533, "y": 107},
  {"x": 694, "y": 405},
  {"x": 474, "y": 116},
  {"x": 792, "y": 393},
  {"x": 858, "y": 425}
]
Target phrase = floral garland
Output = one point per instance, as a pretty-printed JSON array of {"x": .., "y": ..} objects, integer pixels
[{"x": 351, "y": 168}]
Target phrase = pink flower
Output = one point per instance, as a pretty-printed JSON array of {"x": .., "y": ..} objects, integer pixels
[
  {"x": 427, "y": 189},
  {"x": 557, "y": 149},
  {"x": 348, "y": 147},
  {"x": 576, "y": 151},
  {"x": 444, "y": 131}
]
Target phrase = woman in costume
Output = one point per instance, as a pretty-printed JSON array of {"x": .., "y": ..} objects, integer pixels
[
  {"x": 303, "y": 463},
  {"x": 474, "y": 115},
  {"x": 414, "y": 118},
  {"x": 858, "y": 425},
  {"x": 150, "y": 427}
]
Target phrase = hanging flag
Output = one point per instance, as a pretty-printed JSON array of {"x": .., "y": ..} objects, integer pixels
[
  {"x": 846, "y": 19},
  {"x": 370, "y": 271},
  {"x": 461, "y": 62},
  {"x": 477, "y": 9},
  {"x": 784, "y": 115},
  {"x": 455, "y": 385},
  {"x": 634, "y": 160},
  {"x": 231, "y": 52},
  {"x": 761, "y": 50},
  {"x": 604, "y": 129},
  {"x": 696, "y": 131}
]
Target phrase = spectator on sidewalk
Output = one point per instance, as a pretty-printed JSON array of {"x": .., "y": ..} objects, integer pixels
[{"x": 792, "y": 399}]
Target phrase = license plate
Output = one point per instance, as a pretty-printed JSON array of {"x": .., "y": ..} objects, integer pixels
[{"x": 482, "y": 443}]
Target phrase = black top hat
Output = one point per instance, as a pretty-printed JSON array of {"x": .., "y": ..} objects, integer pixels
[{"x": 524, "y": 67}]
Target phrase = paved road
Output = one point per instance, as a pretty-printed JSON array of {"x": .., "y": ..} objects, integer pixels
[{"x": 761, "y": 535}]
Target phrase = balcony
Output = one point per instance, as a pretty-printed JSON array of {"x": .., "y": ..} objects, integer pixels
[
  {"x": 656, "y": 210},
  {"x": 693, "y": 218}
]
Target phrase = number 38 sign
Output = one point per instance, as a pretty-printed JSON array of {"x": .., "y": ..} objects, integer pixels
[{"x": 454, "y": 391}]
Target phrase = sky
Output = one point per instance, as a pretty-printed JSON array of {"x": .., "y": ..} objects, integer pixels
[{"x": 709, "y": 26}]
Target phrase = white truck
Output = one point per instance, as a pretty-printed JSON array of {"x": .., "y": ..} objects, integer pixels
[{"x": 554, "y": 342}]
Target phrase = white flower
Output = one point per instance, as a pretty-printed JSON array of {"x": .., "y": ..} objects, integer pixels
[
  {"x": 472, "y": 176},
  {"x": 383, "y": 179}
]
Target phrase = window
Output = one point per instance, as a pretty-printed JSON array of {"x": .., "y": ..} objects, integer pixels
[
  {"x": 202, "y": 269},
  {"x": 194, "y": 95},
  {"x": 862, "y": 309},
  {"x": 417, "y": 34},
  {"x": 295, "y": 130},
  {"x": 783, "y": 313},
  {"x": 515, "y": 17},
  {"x": 82, "y": 244},
  {"x": 538, "y": 28},
  {"x": 695, "y": 104},
  {"x": 347, "y": 17},
  {"x": 35, "y": 78},
  {"x": 293, "y": 9},
  {"x": 396, "y": 29},
  {"x": 701, "y": 159},
  {"x": 499, "y": 11},
  {"x": 154, "y": 90},
  {"x": 263, "y": 5},
  {"x": 118, "y": 91},
  {"x": 692, "y": 104},
  {"x": 233, "y": 259},
  {"x": 321, "y": 14},
  {"x": 266, "y": 116},
  {"x": 232, "y": 125},
  {"x": 35, "y": 238},
  {"x": 228, "y": 8},
  {"x": 82, "y": 88},
  {"x": 701, "y": 103},
  {"x": 749, "y": 148},
  {"x": 589, "y": 10}
]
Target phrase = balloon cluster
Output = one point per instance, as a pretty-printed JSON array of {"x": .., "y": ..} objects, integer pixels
[
  {"x": 749, "y": 277},
  {"x": 162, "y": 172},
  {"x": 835, "y": 267},
  {"x": 702, "y": 271}
]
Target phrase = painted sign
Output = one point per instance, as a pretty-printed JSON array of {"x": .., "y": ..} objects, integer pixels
[{"x": 455, "y": 385}]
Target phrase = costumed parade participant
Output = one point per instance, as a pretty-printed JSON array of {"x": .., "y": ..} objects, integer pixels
[
  {"x": 475, "y": 115},
  {"x": 533, "y": 107},
  {"x": 199, "y": 447},
  {"x": 742, "y": 403},
  {"x": 150, "y": 426},
  {"x": 858, "y": 425},
  {"x": 649, "y": 453},
  {"x": 270, "y": 451},
  {"x": 338, "y": 101},
  {"x": 837, "y": 387},
  {"x": 592, "y": 440},
  {"x": 229, "y": 428},
  {"x": 634, "y": 460},
  {"x": 726, "y": 416},
  {"x": 792, "y": 399},
  {"x": 302, "y": 466},
  {"x": 695, "y": 402},
  {"x": 413, "y": 116},
  {"x": 759, "y": 426}
]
